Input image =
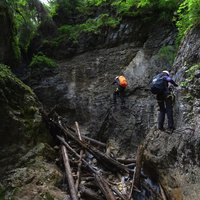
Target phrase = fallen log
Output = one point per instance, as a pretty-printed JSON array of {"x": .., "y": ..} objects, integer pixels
[
  {"x": 101, "y": 182},
  {"x": 81, "y": 156},
  {"x": 162, "y": 192},
  {"x": 138, "y": 167},
  {"x": 77, "y": 155},
  {"x": 94, "y": 141},
  {"x": 104, "y": 159},
  {"x": 126, "y": 161},
  {"x": 104, "y": 187},
  {"x": 139, "y": 156},
  {"x": 69, "y": 176},
  {"x": 89, "y": 194}
]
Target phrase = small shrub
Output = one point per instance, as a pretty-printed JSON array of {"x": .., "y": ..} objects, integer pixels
[
  {"x": 90, "y": 26},
  {"x": 188, "y": 15},
  {"x": 167, "y": 53},
  {"x": 41, "y": 61},
  {"x": 190, "y": 72},
  {"x": 190, "y": 75}
]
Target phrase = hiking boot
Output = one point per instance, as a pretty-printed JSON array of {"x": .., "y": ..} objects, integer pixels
[
  {"x": 170, "y": 130},
  {"x": 161, "y": 129}
]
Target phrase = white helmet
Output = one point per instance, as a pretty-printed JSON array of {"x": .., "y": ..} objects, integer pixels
[{"x": 165, "y": 71}]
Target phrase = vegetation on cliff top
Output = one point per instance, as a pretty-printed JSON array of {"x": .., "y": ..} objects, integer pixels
[
  {"x": 72, "y": 17},
  {"x": 42, "y": 61}
]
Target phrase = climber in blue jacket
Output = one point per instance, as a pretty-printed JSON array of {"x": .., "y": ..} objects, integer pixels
[{"x": 164, "y": 96}]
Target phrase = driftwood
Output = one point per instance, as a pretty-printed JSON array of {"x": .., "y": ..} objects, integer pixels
[
  {"x": 89, "y": 177},
  {"x": 93, "y": 141},
  {"x": 136, "y": 177},
  {"x": 76, "y": 154},
  {"x": 89, "y": 194},
  {"x": 162, "y": 192},
  {"x": 73, "y": 192},
  {"x": 104, "y": 159},
  {"x": 104, "y": 187},
  {"x": 81, "y": 156},
  {"x": 126, "y": 161},
  {"x": 101, "y": 182}
]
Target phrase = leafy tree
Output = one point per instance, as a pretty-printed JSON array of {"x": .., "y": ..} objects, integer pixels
[
  {"x": 65, "y": 10},
  {"x": 188, "y": 16},
  {"x": 29, "y": 14}
]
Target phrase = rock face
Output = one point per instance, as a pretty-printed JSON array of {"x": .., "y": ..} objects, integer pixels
[
  {"x": 26, "y": 164},
  {"x": 128, "y": 31},
  {"x": 82, "y": 89},
  {"x": 178, "y": 154}
]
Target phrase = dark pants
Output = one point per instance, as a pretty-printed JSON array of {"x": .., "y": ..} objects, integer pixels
[
  {"x": 119, "y": 92},
  {"x": 165, "y": 103}
]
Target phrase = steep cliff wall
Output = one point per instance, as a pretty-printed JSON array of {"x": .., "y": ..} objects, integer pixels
[
  {"x": 82, "y": 89},
  {"x": 177, "y": 155}
]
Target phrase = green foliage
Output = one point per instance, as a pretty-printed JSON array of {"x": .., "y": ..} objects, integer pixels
[
  {"x": 165, "y": 8},
  {"x": 188, "y": 15},
  {"x": 2, "y": 192},
  {"x": 93, "y": 25},
  {"x": 48, "y": 196},
  {"x": 90, "y": 26},
  {"x": 65, "y": 8},
  {"x": 4, "y": 71},
  {"x": 167, "y": 53},
  {"x": 124, "y": 7},
  {"x": 41, "y": 61},
  {"x": 190, "y": 72},
  {"x": 190, "y": 75}
]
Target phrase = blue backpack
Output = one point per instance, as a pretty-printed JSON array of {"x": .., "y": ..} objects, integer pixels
[{"x": 157, "y": 85}]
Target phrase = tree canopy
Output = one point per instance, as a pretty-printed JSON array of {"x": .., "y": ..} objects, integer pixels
[{"x": 74, "y": 16}]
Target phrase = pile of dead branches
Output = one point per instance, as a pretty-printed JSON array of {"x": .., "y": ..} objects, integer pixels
[{"x": 91, "y": 173}]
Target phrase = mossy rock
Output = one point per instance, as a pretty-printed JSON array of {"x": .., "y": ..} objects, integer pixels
[{"x": 21, "y": 122}]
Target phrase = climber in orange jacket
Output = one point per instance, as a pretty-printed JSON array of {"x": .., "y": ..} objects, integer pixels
[{"x": 121, "y": 83}]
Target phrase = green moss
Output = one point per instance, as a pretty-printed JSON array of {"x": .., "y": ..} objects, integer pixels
[
  {"x": 42, "y": 61},
  {"x": 167, "y": 53},
  {"x": 7, "y": 75},
  {"x": 190, "y": 72},
  {"x": 188, "y": 16},
  {"x": 2, "y": 193},
  {"x": 20, "y": 110},
  {"x": 189, "y": 78},
  {"x": 48, "y": 196}
]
